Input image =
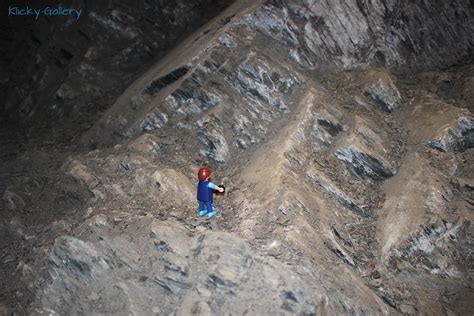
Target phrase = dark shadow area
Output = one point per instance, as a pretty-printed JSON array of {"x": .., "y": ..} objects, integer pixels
[{"x": 59, "y": 73}]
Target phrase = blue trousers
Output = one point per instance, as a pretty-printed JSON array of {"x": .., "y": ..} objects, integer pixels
[{"x": 208, "y": 206}]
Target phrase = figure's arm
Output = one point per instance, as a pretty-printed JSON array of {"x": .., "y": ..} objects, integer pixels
[{"x": 212, "y": 186}]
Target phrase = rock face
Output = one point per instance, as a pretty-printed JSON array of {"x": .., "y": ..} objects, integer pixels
[
  {"x": 313, "y": 34},
  {"x": 348, "y": 172},
  {"x": 172, "y": 270},
  {"x": 348, "y": 33},
  {"x": 456, "y": 137},
  {"x": 57, "y": 74}
]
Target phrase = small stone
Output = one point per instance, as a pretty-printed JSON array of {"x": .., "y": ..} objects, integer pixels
[
  {"x": 407, "y": 309},
  {"x": 200, "y": 229},
  {"x": 203, "y": 291},
  {"x": 65, "y": 92},
  {"x": 100, "y": 221},
  {"x": 381, "y": 89},
  {"x": 402, "y": 265},
  {"x": 375, "y": 282},
  {"x": 120, "y": 217},
  {"x": 274, "y": 252},
  {"x": 89, "y": 211}
]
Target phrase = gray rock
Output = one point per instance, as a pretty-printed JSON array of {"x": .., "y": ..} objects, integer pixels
[
  {"x": 325, "y": 127},
  {"x": 100, "y": 220},
  {"x": 166, "y": 80},
  {"x": 254, "y": 80},
  {"x": 274, "y": 22},
  {"x": 339, "y": 252},
  {"x": 407, "y": 309},
  {"x": 455, "y": 138},
  {"x": 341, "y": 197},
  {"x": 190, "y": 98},
  {"x": 153, "y": 120},
  {"x": 384, "y": 94},
  {"x": 348, "y": 34},
  {"x": 364, "y": 165},
  {"x": 214, "y": 143},
  {"x": 227, "y": 41},
  {"x": 436, "y": 248}
]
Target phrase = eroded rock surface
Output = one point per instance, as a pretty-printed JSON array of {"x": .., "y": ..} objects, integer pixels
[
  {"x": 171, "y": 269},
  {"x": 348, "y": 173},
  {"x": 59, "y": 74}
]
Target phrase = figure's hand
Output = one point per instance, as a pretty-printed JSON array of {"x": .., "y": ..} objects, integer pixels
[{"x": 220, "y": 189}]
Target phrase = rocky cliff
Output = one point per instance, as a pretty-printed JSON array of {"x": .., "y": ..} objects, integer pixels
[
  {"x": 343, "y": 131},
  {"x": 60, "y": 73}
]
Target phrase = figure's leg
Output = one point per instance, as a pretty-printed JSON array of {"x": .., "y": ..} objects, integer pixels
[
  {"x": 210, "y": 211},
  {"x": 202, "y": 211},
  {"x": 209, "y": 206}
]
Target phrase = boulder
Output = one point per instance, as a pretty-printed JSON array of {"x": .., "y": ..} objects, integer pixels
[
  {"x": 380, "y": 89},
  {"x": 440, "y": 125},
  {"x": 174, "y": 182},
  {"x": 83, "y": 173},
  {"x": 457, "y": 136}
]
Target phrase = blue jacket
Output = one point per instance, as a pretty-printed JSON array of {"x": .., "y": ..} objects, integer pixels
[{"x": 205, "y": 190}]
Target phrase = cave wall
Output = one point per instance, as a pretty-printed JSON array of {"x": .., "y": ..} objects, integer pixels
[
  {"x": 398, "y": 34},
  {"x": 312, "y": 36},
  {"x": 58, "y": 73}
]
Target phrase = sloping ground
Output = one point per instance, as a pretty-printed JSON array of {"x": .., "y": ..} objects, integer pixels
[{"x": 349, "y": 191}]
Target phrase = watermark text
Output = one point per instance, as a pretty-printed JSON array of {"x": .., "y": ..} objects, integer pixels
[{"x": 46, "y": 11}]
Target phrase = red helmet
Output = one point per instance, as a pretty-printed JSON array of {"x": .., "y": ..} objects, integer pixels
[{"x": 204, "y": 173}]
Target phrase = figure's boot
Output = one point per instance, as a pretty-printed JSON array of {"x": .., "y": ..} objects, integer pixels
[
  {"x": 211, "y": 212},
  {"x": 202, "y": 213}
]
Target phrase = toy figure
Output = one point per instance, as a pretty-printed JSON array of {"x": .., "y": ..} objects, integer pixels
[{"x": 205, "y": 190}]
